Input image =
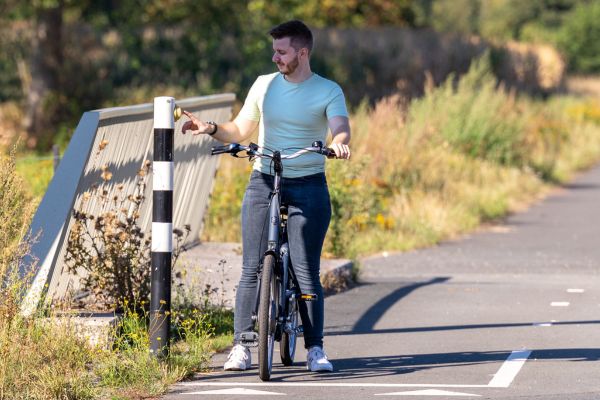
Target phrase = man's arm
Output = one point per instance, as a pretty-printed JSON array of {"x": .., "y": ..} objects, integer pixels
[
  {"x": 340, "y": 133},
  {"x": 235, "y": 131}
]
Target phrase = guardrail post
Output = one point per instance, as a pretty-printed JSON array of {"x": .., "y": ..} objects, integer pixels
[{"x": 162, "y": 225}]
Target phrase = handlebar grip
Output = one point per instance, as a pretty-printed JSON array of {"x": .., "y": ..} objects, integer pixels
[
  {"x": 327, "y": 152},
  {"x": 228, "y": 148}
]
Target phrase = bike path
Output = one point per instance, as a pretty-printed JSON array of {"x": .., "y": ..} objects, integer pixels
[{"x": 512, "y": 312}]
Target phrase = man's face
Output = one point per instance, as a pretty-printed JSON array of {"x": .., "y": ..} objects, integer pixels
[{"x": 285, "y": 56}]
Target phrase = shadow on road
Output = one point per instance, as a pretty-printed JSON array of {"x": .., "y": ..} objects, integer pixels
[
  {"x": 368, "y": 320},
  {"x": 452, "y": 327},
  {"x": 370, "y": 367}
]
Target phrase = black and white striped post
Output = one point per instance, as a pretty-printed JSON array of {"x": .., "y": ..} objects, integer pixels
[{"x": 162, "y": 225}]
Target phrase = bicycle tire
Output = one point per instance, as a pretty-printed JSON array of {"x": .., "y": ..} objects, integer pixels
[
  {"x": 287, "y": 346},
  {"x": 266, "y": 318}
]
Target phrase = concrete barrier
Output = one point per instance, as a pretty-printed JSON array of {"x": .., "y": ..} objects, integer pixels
[{"x": 118, "y": 140}]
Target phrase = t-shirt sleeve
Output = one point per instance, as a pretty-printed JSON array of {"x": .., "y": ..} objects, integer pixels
[
  {"x": 250, "y": 109},
  {"x": 337, "y": 104}
]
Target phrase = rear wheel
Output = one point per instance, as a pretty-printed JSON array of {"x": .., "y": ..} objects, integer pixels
[
  {"x": 267, "y": 318},
  {"x": 287, "y": 346}
]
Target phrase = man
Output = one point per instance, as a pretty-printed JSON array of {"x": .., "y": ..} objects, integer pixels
[{"x": 292, "y": 108}]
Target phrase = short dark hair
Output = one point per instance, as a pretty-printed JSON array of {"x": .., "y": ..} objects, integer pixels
[{"x": 299, "y": 34}]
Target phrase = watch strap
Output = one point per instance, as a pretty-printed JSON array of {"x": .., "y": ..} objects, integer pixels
[{"x": 215, "y": 127}]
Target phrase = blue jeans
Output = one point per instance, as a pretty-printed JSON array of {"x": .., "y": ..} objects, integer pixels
[{"x": 309, "y": 212}]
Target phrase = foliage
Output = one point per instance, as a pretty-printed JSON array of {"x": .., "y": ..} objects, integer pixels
[
  {"x": 356, "y": 205},
  {"x": 129, "y": 369},
  {"x": 36, "y": 172},
  {"x": 429, "y": 169},
  {"x": 350, "y": 13},
  {"x": 42, "y": 357},
  {"x": 106, "y": 49},
  {"x": 223, "y": 219},
  {"x": 37, "y": 360},
  {"x": 580, "y": 37},
  {"x": 109, "y": 251},
  {"x": 15, "y": 213},
  {"x": 478, "y": 120},
  {"x": 460, "y": 16}
]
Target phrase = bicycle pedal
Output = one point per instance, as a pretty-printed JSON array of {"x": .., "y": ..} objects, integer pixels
[
  {"x": 249, "y": 339},
  {"x": 307, "y": 297}
]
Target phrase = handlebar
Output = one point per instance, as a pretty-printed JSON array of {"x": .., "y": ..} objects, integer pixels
[{"x": 253, "y": 150}]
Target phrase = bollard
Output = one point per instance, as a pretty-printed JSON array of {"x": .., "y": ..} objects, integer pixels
[{"x": 162, "y": 225}]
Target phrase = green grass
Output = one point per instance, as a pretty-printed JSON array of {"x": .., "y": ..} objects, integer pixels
[{"x": 37, "y": 172}]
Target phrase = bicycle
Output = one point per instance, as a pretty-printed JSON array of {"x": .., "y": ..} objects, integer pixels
[{"x": 276, "y": 307}]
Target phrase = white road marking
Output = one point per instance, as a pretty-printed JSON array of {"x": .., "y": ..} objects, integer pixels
[
  {"x": 502, "y": 379},
  {"x": 328, "y": 384},
  {"x": 509, "y": 370},
  {"x": 560, "y": 304},
  {"x": 575, "y": 290},
  {"x": 238, "y": 391},
  {"x": 428, "y": 392}
]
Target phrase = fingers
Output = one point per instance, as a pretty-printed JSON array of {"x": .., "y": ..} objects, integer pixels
[
  {"x": 188, "y": 114},
  {"x": 341, "y": 150},
  {"x": 191, "y": 125}
]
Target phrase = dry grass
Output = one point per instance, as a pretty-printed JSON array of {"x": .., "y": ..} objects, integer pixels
[
  {"x": 436, "y": 167},
  {"x": 43, "y": 359}
]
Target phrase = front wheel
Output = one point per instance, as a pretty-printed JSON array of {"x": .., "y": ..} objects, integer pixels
[
  {"x": 267, "y": 318},
  {"x": 287, "y": 346}
]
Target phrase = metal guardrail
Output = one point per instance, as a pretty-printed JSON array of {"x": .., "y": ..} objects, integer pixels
[{"x": 126, "y": 135}]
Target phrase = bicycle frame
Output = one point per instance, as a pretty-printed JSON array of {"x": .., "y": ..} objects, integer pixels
[
  {"x": 277, "y": 243},
  {"x": 283, "y": 297}
]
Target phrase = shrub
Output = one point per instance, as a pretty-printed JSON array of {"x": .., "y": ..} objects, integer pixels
[{"x": 110, "y": 252}]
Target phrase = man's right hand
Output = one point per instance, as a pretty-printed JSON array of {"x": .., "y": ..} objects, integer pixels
[{"x": 194, "y": 125}]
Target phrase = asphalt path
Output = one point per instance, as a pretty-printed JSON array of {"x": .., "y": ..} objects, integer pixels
[{"x": 511, "y": 312}]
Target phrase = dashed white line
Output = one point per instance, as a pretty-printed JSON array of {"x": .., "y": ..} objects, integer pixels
[
  {"x": 575, "y": 290},
  {"x": 560, "y": 304},
  {"x": 242, "y": 391},
  {"x": 429, "y": 392}
]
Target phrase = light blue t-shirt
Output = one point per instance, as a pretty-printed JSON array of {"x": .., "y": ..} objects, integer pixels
[{"x": 293, "y": 116}]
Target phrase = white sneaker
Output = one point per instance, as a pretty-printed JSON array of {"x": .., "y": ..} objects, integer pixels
[
  {"x": 238, "y": 359},
  {"x": 316, "y": 360}
]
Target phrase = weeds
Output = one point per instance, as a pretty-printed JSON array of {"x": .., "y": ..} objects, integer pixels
[
  {"x": 41, "y": 357},
  {"x": 109, "y": 252},
  {"x": 427, "y": 170}
]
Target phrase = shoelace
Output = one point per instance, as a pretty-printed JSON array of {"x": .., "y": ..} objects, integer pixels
[
  {"x": 238, "y": 352},
  {"x": 317, "y": 354}
]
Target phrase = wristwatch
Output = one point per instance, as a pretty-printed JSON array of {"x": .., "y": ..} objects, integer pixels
[{"x": 215, "y": 127}]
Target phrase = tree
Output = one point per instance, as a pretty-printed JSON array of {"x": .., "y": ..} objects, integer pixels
[
  {"x": 460, "y": 16},
  {"x": 45, "y": 65},
  {"x": 580, "y": 38}
]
